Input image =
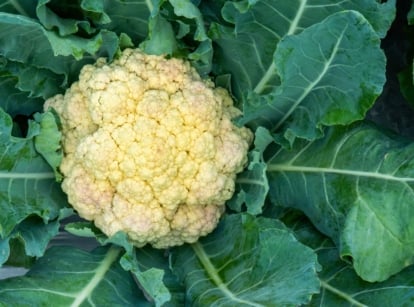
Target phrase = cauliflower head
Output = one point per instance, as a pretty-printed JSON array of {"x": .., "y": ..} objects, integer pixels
[{"x": 149, "y": 148}]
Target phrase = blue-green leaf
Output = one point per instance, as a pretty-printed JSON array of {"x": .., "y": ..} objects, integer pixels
[
  {"x": 356, "y": 185},
  {"x": 27, "y": 183},
  {"x": 252, "y": 184},
  {"x": 249, "y": 35},
  {"x": 247, "y": 261},
  {"x": 331, "y": 73},
  {"x": 67, "y": 276}
]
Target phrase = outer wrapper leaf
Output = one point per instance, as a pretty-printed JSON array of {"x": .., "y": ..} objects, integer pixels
[
  {"x": 149, "y": 266},
  {"x": 340, "y": 285},
  {"x": 356, "y": 186},
  {"x": 22, "y": 7},
  {"x": 247, "y": 261},
  {"x": 252, "y": 185},
  {"x": 27, "y": 183},
  {"x": 251, "y": 31},
  {"x": 149, "y": 277},
  {"x": 331, "y": 73},
  {"x": 98, "y": 280},
  {"x": 130, "y": 17},
  {"x": 47, "y": 65},
  {"x": 48, "y": 141}
]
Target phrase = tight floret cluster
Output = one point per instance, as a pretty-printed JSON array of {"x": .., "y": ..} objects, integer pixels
[{"x": 149, "y": 148}]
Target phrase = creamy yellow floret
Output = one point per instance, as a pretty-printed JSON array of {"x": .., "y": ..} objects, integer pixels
[{"x": 149, "y": 148}]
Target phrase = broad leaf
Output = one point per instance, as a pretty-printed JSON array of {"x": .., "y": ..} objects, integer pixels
[
  {"x": 150, "y": 277},
  {"x": 67, "y": 276},
  {"x": 151, "y": 262},
  {"x": 27, "y": 183},
  {"x": 182, "y": 20},
  {"x": 36, "y": 82},
  {"x": 46, "y": 48},
  {"x": 161, "y": 37},
  {"x": 31, "y": 238},
  {"x": 340, "y": 285},
  {"x": 130, "y": 17},
  {"x": 65, "y": 26},
  {"x": 356, "y": 186},
  {"x": 48, "y": 64},
  {"x": 331, "y": 73},
  {"x": 149, "y": 266},
  {"x": 21, "y": 7},
  {"x": 14, "y": 101},
  {"x": 252, "y": 185},
  {"x": 247, "y": 261},
  {"x": 48, "y": 141},
  {"x": 248, "y": 38},
  {"x": 202, "y": 55}
]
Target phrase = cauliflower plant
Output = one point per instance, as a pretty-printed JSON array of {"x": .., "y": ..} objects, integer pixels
[{"x": 149, "y": 148}]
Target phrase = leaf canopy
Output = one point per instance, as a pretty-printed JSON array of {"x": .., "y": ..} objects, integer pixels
[
  {"x": 358, "y": 185},
  {"x": 97, "y": 281},
  {"x": 244, "y": 262}
]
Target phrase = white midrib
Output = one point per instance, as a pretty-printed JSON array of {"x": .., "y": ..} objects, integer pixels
[
  {"x": 212, "y": 273},
  {"x": 18, "y": 7},
  {"x": 310, "y": 87},
  {"x": 272, "y": 68},
  {"x": 11, "y": 175},
  {"x": 149, "y": 5},
  {"x": 308, "y": 169},
  {"x": 100, "y": 272},
  {"x": 341, "y": 294}
]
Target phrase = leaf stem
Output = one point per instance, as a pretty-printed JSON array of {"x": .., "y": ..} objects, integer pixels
[
  {"x": 100, "y": 272},
  {"x": 270, "y": 72},
  {"x": 215, "y": 277},
  {"x": 30, "y": 176},
  {"x": 342, "y": 294},
  {"x": 330, "y": 170},
  {"x": 150, "y": 6},
  {"x": 18, "y": 8}
]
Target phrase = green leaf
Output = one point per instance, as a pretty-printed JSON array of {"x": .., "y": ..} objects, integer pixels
[
  {"x": 247, "y": 39},
  {"x": 44, "y": 49},
  {"x": 65, "y": 26},
  {"x": 21, "y": 7},
  {"x": 252, "y": 185},
  {"x": 410, "y": 15},
  {"x": 340, "y": 285},
  {"x": 30, "y": 239},
  {"x": 203, "y": 54},
  {"x": 82, "y": 229},
  {"x": 35, "y": 82},
  {"x": 130, "y": 17},
  {"x": 161, "y": 38},
  {"x": 356, "y": 186},
  {"x": 148, "y": 267},
  {"x": 71, "y": 277},
  {"x": 188, "y": 10},
  {"x": 48, "y": 141},
  {"x": 247, "y": 261},
  {"x": 150, "y": 278},
  {"x": 27, "y": 183},
  {"x": 48, "y": 64},
  {"x": 95, "y": 11},
  {"x": 154, "y": 260},
  {"x": 14, "y": 101},
  {"x": 331, "y": 73}
]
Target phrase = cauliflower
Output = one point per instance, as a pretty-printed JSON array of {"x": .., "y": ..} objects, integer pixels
[{"x": 149, "y": 148}]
